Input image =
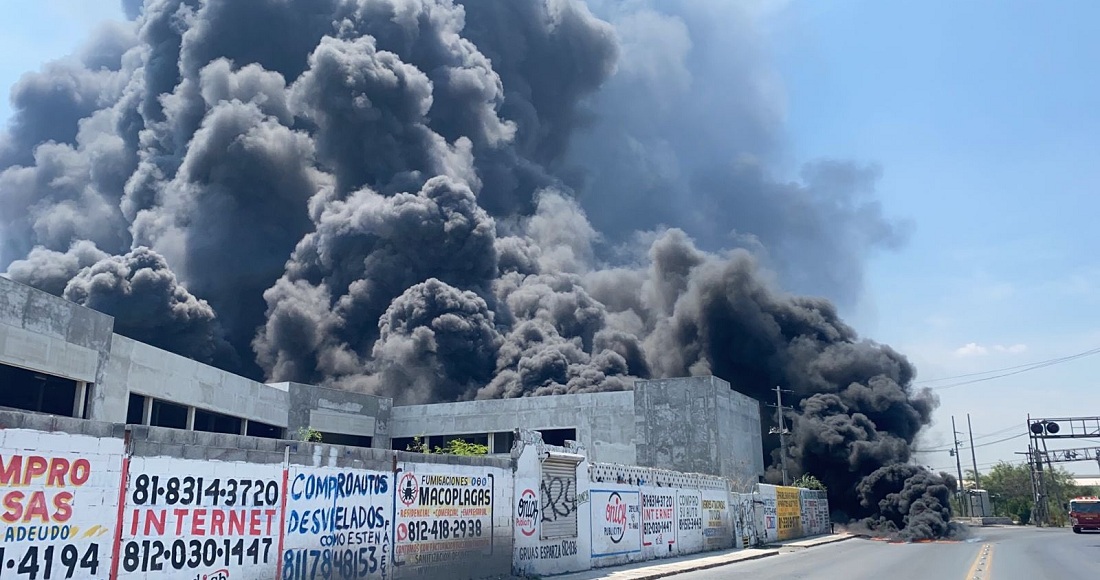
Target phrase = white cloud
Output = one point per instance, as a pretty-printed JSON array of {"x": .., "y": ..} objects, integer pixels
[
  {"x": 975, "y": 349},
  {"x": 971, "y": 349}
]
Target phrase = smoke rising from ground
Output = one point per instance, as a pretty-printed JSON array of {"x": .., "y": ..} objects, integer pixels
[{"x": 440, "y": 200}]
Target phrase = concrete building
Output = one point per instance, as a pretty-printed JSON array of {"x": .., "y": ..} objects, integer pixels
[{"x": 60, "y": 358}]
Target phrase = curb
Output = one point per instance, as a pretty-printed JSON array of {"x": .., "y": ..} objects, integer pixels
[
  {"x": 698, "y": 567},
  {"x": 814, "y": 545},
  {"x": 772, "y": 551}
]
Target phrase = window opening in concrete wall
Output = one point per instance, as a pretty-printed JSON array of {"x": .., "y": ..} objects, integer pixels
[
  {"x": 345, "y": 439},
  {"x": 135, "y": 411},
  {"x": 402, "y": 443},
  {"x": 258, "y": 429},
  {"x": 167, "y": 414},
  {"x": 503, "y": 441},
  {"x": 477, "y": 438},
  {"x": 38, "y": 392},
  {"x": 216, "y": 422},
  {"x": 558, "y": 436}
]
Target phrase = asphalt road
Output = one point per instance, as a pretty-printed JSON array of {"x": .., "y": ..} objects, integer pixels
[{"x": 1009, "y": 554}]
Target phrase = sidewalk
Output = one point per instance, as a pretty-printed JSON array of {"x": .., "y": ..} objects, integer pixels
[{"x": 701, "y": 561}]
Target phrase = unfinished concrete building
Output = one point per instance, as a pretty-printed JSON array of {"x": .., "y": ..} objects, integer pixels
[{"x": 60, "y": 358}]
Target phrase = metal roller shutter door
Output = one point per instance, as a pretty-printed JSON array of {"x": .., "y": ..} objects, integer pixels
[{"x": 559, "y": 477}]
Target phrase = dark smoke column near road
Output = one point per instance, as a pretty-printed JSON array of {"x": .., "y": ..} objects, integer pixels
[{"x": 393, "y": 196}]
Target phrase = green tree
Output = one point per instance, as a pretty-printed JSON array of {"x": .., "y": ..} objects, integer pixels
[
  {"x": 460, "y": 447},
  {"x": 809, "y": 482},
  {"x": 453, "y": 447},
  {"x": 309, "y": 434},
  {"x": 1009, "y": 487}
]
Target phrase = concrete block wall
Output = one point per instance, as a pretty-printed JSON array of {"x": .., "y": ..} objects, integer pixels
[
  {"x": 628, "y": 513},
  {"x": 102, "y": 500}
]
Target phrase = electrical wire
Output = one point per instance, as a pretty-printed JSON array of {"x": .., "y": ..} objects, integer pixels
[
  {"x": 961, "y": 447},
  {"x": 1014, "y": 370}
]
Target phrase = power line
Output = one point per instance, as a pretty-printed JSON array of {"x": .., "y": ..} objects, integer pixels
[
  {"x": 983, "y": 436},
  {"x": 995, "y": 433},
  {"x": 1017, "y": 369},
  {"x": 986, "y": 444},
  {"x": 1035, "y": 366}
]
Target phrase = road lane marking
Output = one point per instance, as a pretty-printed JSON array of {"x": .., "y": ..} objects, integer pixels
[{"x": 979, "y": 570}]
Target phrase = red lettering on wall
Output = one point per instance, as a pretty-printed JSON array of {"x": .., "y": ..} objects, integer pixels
[
  {"x": 13, "y": 507},
  {"x": 16, "y": 510},
  {"x": 9, "y": 473},
  {"x": 36, "y": 465},
  {"x": 217, "y": 522},
  {"x": 154, "y": 522},
  {"x": 59, "y": 466},
  {"x": 236, "y": 523},
  {"x": 82, "y": 470},
  {"x": 198, "y": 522},
  {"x": 63, "y": 510},
  {"x": 56, "y": 470}
]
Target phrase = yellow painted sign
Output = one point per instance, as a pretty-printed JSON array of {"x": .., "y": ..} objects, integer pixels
[{"x": 788, "y": 512}]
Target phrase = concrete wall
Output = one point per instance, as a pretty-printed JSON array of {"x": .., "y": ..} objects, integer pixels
[
  {"x": 604, "y": 421},
  {"x": 741, "y": 451},
  {"x": 155, "y": 502},
  {"x": 135, "y": 367},
  {"x": 698, "y": 425},
  {"x": 337, "y": 411},
  {"x": 45, "y": 333}
]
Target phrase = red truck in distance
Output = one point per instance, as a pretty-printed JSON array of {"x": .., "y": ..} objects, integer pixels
[{"x": 1084, "y": 513}]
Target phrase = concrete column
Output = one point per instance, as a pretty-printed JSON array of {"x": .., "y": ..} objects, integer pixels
[
  {"x": 147, "y": 412},
  {"x": 244, "y": 426},
  {"x": 190, "y": 418},
  {"x": 79, "y": 400}
]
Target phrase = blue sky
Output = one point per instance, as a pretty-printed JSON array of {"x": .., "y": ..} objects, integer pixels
[{"x": 983, "y": 118}]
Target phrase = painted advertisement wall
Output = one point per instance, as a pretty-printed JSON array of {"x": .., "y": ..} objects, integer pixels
[
  {"x": 541, "y": 505},
  {"x": 659, "y": 522},
  {"x": 616, "y": 524},
  {"x": 338, "y": 524},
  {"x": 717, "y": 523},
  {"x": 815, "y": 512},
  {"x": 187, "y": 518},
  {"x": 689, "y": 521},
  {"x": 212, "y": 520},
  {"x": 767, "y": 516},
  {"x": 788, "y": 512},
  {"x": 59, "y": 509},
  {"x": 452, "y": 517}
]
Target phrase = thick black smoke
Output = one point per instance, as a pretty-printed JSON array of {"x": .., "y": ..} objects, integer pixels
[
  {"x": 910, "y": 502},
  {"x": 393, "y": 196}
]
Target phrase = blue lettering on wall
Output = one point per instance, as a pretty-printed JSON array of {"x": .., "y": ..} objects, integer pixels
[
  {"x": 343, "y": 485},
  {"x": 335, "y": 519}
]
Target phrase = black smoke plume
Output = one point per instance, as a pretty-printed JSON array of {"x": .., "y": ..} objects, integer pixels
[
  {"x": 909, "y": 502},
  {"x": 394, "y": 196}
]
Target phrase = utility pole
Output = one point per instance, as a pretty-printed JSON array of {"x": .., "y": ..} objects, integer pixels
[
  {"x": 973, "y": 456},
  {"x": 782, "y": 429},
  {"x": 958, "y": 465}
]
